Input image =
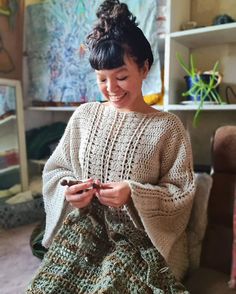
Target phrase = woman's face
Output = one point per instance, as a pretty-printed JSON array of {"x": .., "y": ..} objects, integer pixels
[{"x": 122, "y": 86}]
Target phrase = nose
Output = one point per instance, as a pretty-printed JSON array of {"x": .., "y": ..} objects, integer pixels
[{"x": 111, "y": 85}]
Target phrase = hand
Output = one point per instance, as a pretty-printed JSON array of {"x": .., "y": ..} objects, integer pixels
[
  {"x": 77, "y": 196},
  {"x": 114, "y": 194}
]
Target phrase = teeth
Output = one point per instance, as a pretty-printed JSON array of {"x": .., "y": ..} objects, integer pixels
[{"x": 116, "y": 98}]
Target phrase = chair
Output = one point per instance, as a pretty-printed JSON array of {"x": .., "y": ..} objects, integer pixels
[{"x": 213, "y": 274}]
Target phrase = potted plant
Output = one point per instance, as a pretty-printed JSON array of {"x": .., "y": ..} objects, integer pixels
[{"x": 202, "y": 87}]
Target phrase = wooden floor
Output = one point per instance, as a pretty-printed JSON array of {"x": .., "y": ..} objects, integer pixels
[{"x": 17, "y": 264}]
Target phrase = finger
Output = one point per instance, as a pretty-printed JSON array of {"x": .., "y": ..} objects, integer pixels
[
  {"x": 109, "y": 193},
  {"x": 80, "y": 187},
  {"x": 107, "y": 186},
  {"x": 104, "y": 201},
  {"x": 112, "y": 203},
  {"x": 80, "y": 204},
  {"x": 79, "y": 197}
]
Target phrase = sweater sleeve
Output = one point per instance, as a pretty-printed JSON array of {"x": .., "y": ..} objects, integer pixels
[
  {"x": 164, "y": 208},
  {"x": 59, "y": 166}
]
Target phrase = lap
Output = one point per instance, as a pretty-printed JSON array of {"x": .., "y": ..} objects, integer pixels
[{"x": 86, "y": 258}]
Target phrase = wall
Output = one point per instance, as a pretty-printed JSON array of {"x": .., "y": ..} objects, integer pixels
[
  {"x": 12, "y": 41},
  {"x": 204, "y": 11}
]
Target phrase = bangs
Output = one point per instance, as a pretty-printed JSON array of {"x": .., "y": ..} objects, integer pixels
[{"x": 107, "y": 55}]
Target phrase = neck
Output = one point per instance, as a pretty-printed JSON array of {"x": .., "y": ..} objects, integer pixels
[{"x": 141, "y": 107}]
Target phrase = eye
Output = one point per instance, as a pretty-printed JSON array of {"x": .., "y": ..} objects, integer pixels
[
  {"x": 101, "y": 81},
  {"x": 122, "y": 78}
]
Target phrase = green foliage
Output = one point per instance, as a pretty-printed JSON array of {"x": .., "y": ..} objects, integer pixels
[{"x": 206, "y": 90}]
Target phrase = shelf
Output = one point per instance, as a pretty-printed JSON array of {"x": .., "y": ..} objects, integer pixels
[
  {"x": 158, "y": 107},
  {"x": 71, "y": 108},
  {"x": 207, "y": 36},
  {"x": 39, "y": 161},
  {"x": 7, "y": 119},
  {"x": 193, "y": 107},
  {"x": 52, "y": 108},
  {"x": 12, "y": 167}
]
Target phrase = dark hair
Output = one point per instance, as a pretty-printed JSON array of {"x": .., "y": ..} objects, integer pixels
[{"x": 115, "y": 34}]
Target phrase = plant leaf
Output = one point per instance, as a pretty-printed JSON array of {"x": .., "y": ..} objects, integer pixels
[{"x": 183, "y": 65}]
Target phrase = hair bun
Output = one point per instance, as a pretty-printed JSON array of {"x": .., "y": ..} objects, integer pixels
[
  {"x": 115, "y": 34},
  {"x": 112, "y": 13}
]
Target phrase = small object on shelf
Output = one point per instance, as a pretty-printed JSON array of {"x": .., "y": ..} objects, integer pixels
[
  {"x": 188, "y": 25},
  {"x": 156, "y": 99},
  {"x": 222, "y": 19},
  {"x": 227, "y": 90}
]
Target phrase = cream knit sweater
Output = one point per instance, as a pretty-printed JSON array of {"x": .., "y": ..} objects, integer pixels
[{"x": 149, "y": 151}]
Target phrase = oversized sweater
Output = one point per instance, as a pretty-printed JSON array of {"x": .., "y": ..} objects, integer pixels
[{"x": 150, "y": 151}]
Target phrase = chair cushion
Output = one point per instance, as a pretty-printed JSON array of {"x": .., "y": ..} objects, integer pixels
[
  {"x": 224, "y": 149},
  {"x": 198, "y": 219}
]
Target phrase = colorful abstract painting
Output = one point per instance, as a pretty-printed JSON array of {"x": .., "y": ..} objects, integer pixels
[{"x": 58, "y": 67}]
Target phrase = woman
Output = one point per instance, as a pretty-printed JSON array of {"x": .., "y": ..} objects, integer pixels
[{"x": 126, "y": 234}]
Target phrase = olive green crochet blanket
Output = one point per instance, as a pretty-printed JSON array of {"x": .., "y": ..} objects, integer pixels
[{"x": 92, "y": 253}]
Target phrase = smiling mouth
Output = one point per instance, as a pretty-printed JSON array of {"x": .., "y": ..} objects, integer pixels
[{"x": 116, "y": 98}]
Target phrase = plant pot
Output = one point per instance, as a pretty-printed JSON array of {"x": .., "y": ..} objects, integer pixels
[{"x": 206, "y": 78}]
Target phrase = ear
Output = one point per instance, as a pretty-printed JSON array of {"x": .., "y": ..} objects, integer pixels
[{"x": 145, "y": 69}]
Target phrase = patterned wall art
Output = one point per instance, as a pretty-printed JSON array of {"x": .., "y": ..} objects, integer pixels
[
  {"x": 7, "y": 100},
  {"x": 58, "y": 67}
]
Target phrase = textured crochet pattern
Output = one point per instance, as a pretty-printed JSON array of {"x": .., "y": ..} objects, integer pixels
[
  {"x": 93, "y": 254},
  {"x": 149, "y": 151}
]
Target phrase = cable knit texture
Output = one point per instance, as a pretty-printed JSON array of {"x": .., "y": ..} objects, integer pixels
[{"x": 149, "y": 151}]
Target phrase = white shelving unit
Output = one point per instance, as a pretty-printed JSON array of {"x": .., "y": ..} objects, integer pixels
[
  {"x": 184, "y": 42},
  {"x": 9, "y": 138},
  {"x": 68, "y": 108},
  {"x": 12, "y": 133},
  {"x": 229, "y": 107},
  {"x": 208, "y": 43},
  {"x": 8, "y": 133},
  {"x": 53, "y": 108},
  {"x": 212, "y": 35},
  {"x": 9, "y": 168}
]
